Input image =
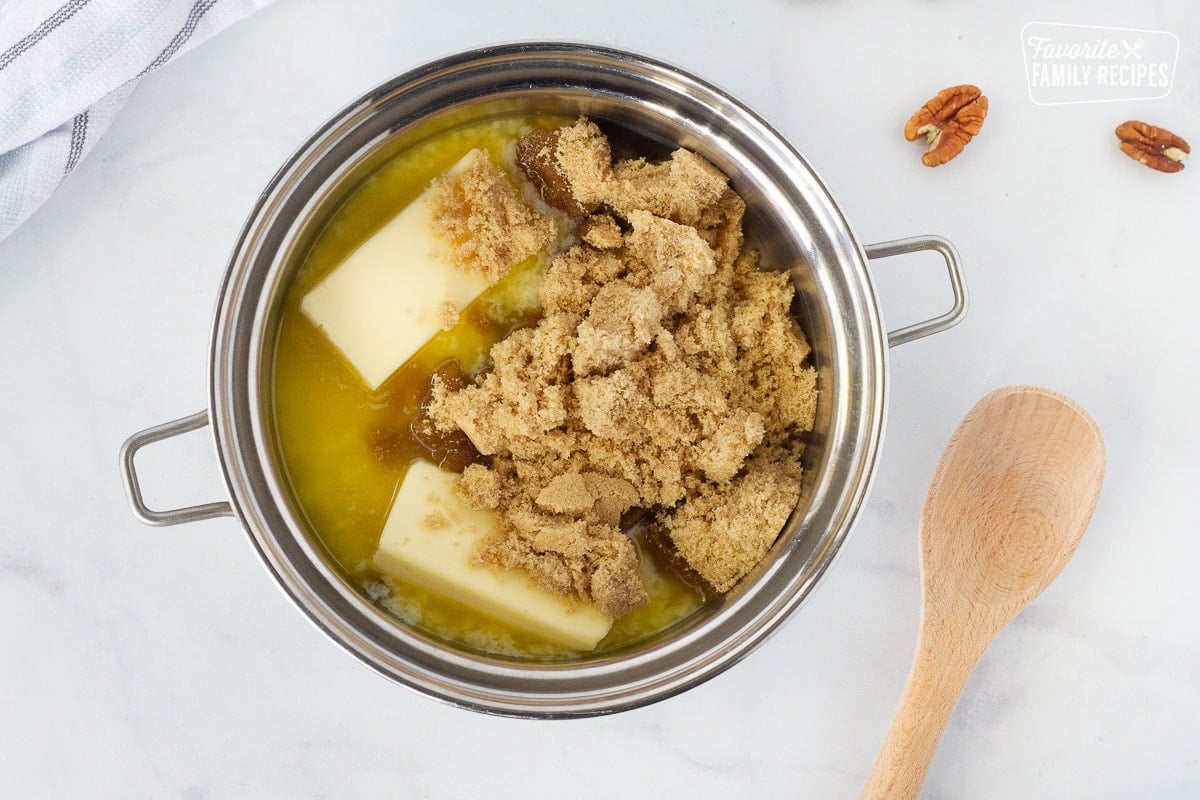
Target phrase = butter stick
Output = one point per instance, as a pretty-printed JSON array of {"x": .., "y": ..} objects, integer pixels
[
  {"x": 428, "y": 539},
  {"x": 387, "y": 299}
]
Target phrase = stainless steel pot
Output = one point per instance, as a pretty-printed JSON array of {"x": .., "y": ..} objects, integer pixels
[{"x": 792, "y": 218}]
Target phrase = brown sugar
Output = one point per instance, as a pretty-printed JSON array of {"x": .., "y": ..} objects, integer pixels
[
  {"x": 537, "y": 155},
  {"x": 481, "y": 487},
  {"x": 450, "y": 450},
  {"x": 567, "y": 494},
  {"x": 750, "y": 510},
  {"x": 596, "y": 497},
  {"x": 447, "y": 314},
  {"x": 570, "y": 557},
  {"x": 620, "y": 325},
  {"x": 575, "y": 277},
  {"x": 436, "y": 520},
  {"x": 667, "y": 374},
  {"x": 602, "y": 232},
  {"x": 679, "y": 189},
  {"x": 489, "y": 227}
]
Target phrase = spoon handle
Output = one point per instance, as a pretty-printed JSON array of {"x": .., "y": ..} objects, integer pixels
[{"x": 938, "y": 676}]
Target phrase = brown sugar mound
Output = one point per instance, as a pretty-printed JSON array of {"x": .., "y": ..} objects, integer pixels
[
  {"x": 621, "y": 324},
  {"x": 487, "y": 224},
  {"x": 679, "y": 189},
  {"x": 667, "y": 374},
  {"x": 570, "y": 557},
  {"x": 596, "y": 497},
  {"x": 601, "y": 231},
  {"x": 750, "y": 509},
  {"x": 446, "y": 314}
]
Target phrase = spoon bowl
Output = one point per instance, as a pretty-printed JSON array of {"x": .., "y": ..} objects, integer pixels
[{"x": 1010, "y": 499}]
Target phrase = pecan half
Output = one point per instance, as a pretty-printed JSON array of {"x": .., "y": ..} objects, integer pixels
[
  {"x": 948, "y": 122},
  {"x": 1157, "y": 148}
]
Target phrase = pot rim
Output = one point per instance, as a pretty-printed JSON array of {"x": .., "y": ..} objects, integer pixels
[{"x": 638, "y": 678}]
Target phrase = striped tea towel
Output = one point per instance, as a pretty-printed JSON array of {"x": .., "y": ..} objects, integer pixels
[{"x": 67, "y": 67}]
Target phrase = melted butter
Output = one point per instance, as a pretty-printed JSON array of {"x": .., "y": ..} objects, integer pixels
[{"x": 330, "y": 427}]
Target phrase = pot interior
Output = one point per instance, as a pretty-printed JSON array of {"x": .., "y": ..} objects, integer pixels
[{"x": 791, "y": 219}]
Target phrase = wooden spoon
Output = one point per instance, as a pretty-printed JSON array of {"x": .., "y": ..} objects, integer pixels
[{"x": 1007, "y": 505}]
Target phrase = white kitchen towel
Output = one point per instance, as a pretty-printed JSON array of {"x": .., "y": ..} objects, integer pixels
[{"x": 67, "y": 67}]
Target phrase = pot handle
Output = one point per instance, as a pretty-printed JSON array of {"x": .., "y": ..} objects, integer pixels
[
  {"x": 133, "y": 489},
  {"x": 913, "y": 244}
]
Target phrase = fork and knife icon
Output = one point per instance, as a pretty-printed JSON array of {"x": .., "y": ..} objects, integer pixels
[{"x": 1132, "y": 49}]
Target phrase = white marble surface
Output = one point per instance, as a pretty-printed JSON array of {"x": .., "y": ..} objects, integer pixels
[{"x": 139, "y": 662}]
